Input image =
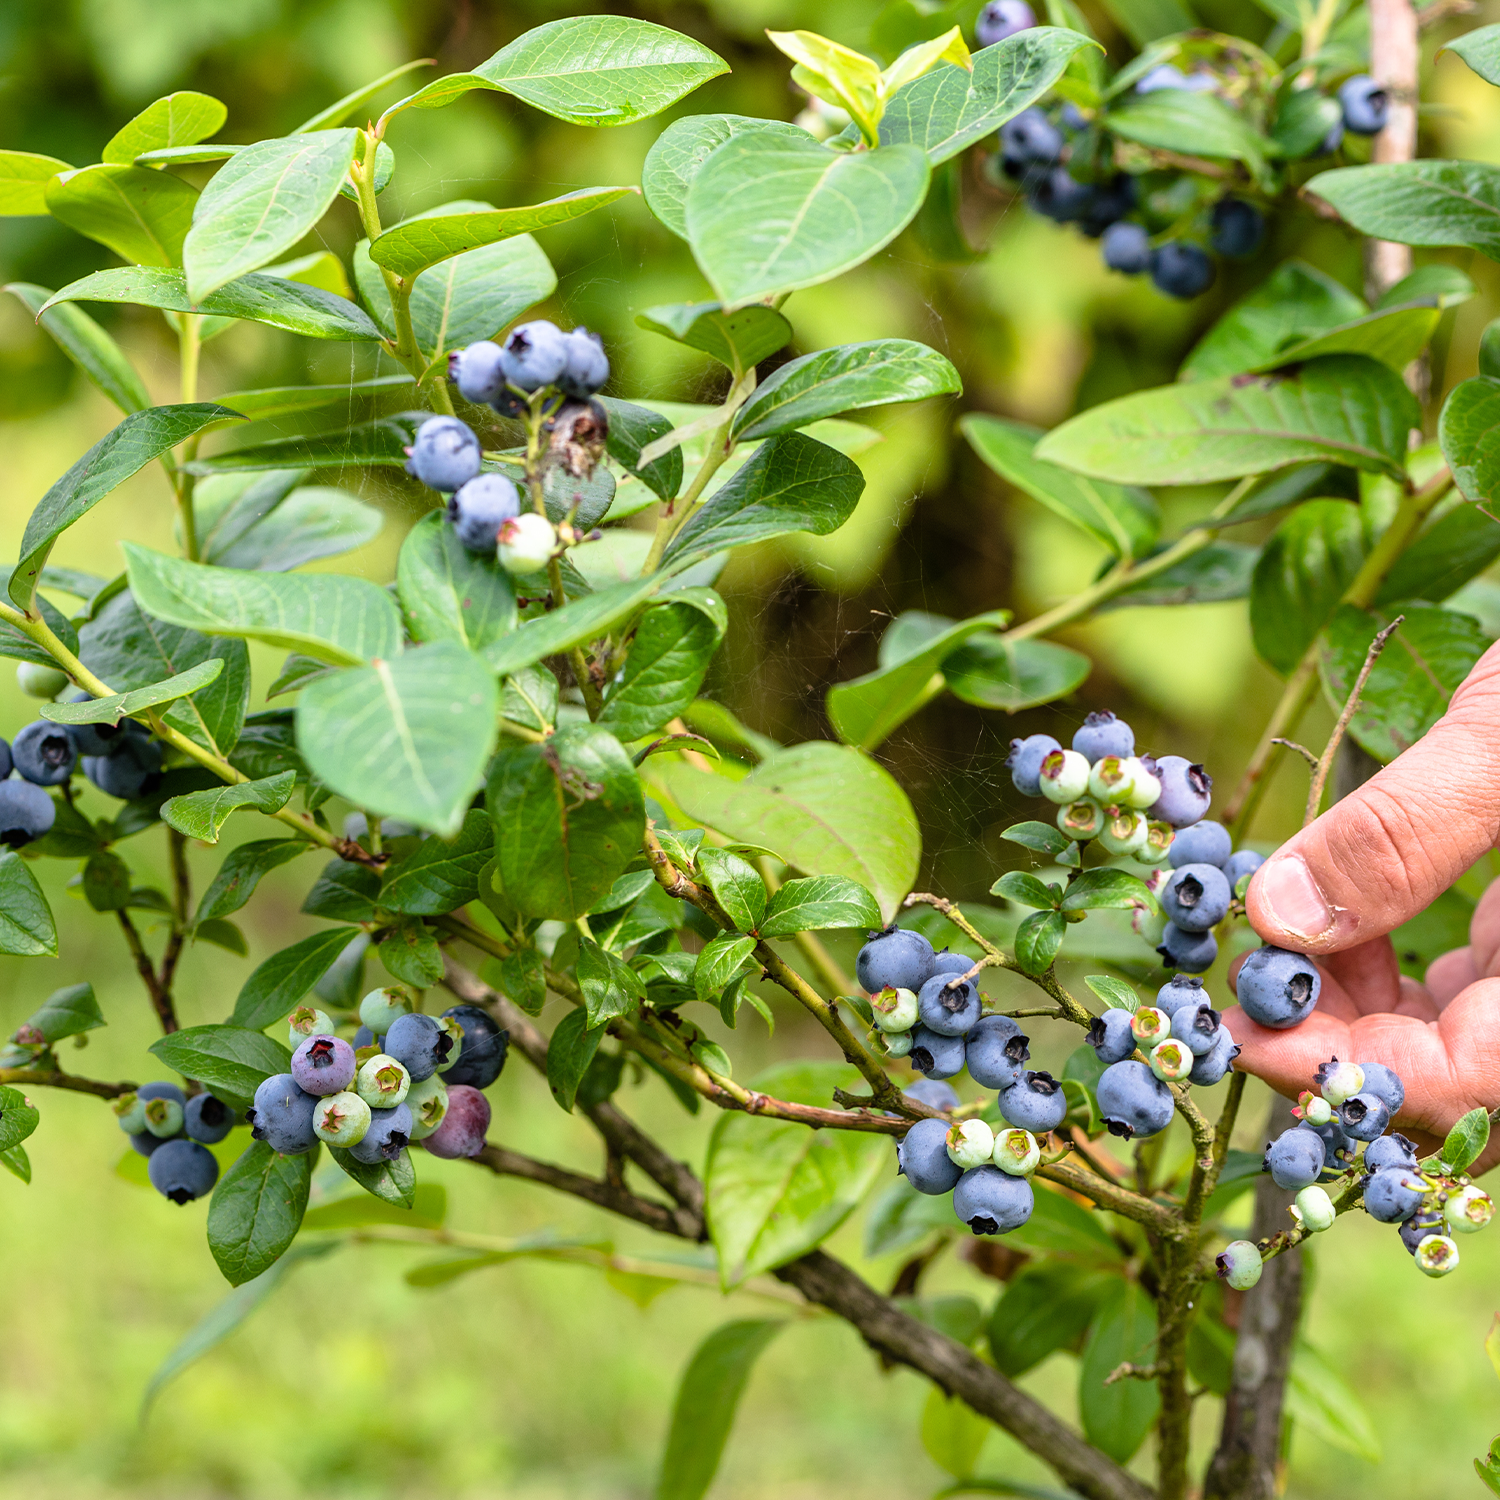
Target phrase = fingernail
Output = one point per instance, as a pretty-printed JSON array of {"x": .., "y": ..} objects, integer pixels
[{"x": 1292, "y": 897}]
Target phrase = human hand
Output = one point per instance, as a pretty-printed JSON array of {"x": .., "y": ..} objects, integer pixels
[{"x": 1370, "y": 863}]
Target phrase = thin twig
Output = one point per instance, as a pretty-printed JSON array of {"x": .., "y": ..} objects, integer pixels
[
  {"x": 55, "y": 1078},
  {"x": 161, "y": 1000},
  {"x": 1301, "y": 750}
]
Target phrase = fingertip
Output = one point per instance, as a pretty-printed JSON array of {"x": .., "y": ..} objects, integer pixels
[{"x": 1287, "y": 907}]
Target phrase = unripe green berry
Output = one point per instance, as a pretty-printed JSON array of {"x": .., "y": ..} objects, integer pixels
[
  {"x": 1437, "y": 1255},
  {"x": 382, "y": 1082},
  {"x": 428, "y": 1103},
  {"x": 1016, "y": 1152},
  {"x": 1124, "y": 831},
  {"x": 1158, "y": 844},
  {"x": 1239, "y": 1264},
  {"x": 380, "y": 1009},
  {"x": 1144, "y": 787},
  {"x": 455, "y": 1034},
  {"x": 1469, "y": 1210},
  {"x": 1171, "y": 1060},
  {"x": 1081, "y": 820},
  {"x": 1110, "y": 782},
  {"x": 1313, "y": 1209},
  {"x": 341, "y": 1119},
  {"x": 37, "y": 681},
  {"x": 130, "y": 1111},
  {"x": 895, "y": 1009},
  {"x": 526, "y": 543},
  {"x": 163, "y": 1118},
  {"x": 306, "y": 1021},
  {"x": 1315, "y": 1110},
  {"x": 1064, "y": 776},
  {"x": 971, "y": 1143},
  {"x": 1150, "y": 1025},
  {"x": 1339, "y": 1081},
  {"x": 897, "y": 1043}
]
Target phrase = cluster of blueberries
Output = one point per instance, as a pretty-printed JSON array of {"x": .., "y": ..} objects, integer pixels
[
  {"x": 120, "y": 759},
  {"x": 406, "y": 1077},
  {"x": 1035, "y": 150},
  {"x": 485, "y": 507},
  {"x": 1353, "y": 1106},
  {"x": 174, "y": 1133}
]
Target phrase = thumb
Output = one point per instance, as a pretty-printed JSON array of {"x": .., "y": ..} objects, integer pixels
[{"x": 1386, "y": 851}]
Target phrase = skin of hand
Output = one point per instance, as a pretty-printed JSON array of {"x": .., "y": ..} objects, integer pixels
[{"x": 1371, "y": 862}]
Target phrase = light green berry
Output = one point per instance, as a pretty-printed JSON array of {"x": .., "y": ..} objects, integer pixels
[{"x": 382, "y": 1082}]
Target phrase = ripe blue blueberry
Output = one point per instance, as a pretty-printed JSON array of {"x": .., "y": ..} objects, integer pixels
[
  {"x": 1181, "y": 269},
  {"x": 1195, "y": 897},
  {"x": 1212, "y": 1066},
  {"x": 947, "y": 962},
  {"x": 1110, "y": 203},
  {"x": 1385, "y": 1084},
  {"x": 445, "y": 453},
  {"x": 477, "y": 371},
  {"x": 419, "y": 1044},
  {"x": 534, "y": 355},
  {"x": 341, "y": 1119},
  {"x": 324, "y": 1065},
  {"x": 1422, "y": 1224},
  {"x": 1295, "y": 1158},
  {"x": 1126, "y": 247},
  {"x": 1239, "y": 1264},
  {"x": 1002, "y": 18},
  {"x": 146, "y": 1143},
  {"x": 996, "y": 1052},
  {"x": 1060, "y": 196},
  {"x": 933, "y": 1093},
  {"x": 1197, "y": 1027},
  {"x": 1025, "y": 760},
  {"x": 1110, "y": 1036},
  {"x": 1202, "y": 843},
  {"x": 462, "y": 1132},
  {"x": 1035, "y": 1103},
  {"x": 1390, "y": 1151},
  {"x": 482, "y": 1056},
  {"x": 1186, "y": 790},
  {"x": 1278, "y": 988},
  {"x": 1367, "y": 106},
  {"x": 26, "y": 813},
  {"x": 363, "y": 1037},
  {"x": 922, "y": 1158},
  {"x": 132, "y": 770},
  {"x": 1338, "y": 1148},
  {"x": 948, "y": 1005},
  {"x": 1237, "y": 227},
  {"x": 161, "y": 1090},
  {"x": 207, "y": 1119},
  {"x": 479, "y": 508},
  {"x": 387, "y": 1136},
  {"x": 182, "y": 1171},
  {"x": 1364, "y": 1116},
  {"x": 1241, "y": 863},
  {"x": 588, "y": 366},
  {"x": 282, "y": 1116},
  {"x": 44, "y": 753},
  {"x": 1133, "y": 1101},
  {"x": 1101, "y": 734},
  {"x": 1192, "y": 952},
  {"x": 935, "y": 1055},
  {"x": 1180, "y": 990},
  {"x": 990, "y": 1201},
  {"x": 1394, "y": 1194},
  {"x": 894, "y": 959},
  {"x": 100, "y": 739},
  {"x": 1028, "y": 141}
]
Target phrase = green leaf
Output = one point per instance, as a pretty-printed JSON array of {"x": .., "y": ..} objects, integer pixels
[
  {"x": 230, "y": 1060},
  {"x": 331, "y": 616},
  {"x": 223, "y": 935},
  {"x": 1116, "y": 1418},
  {"x": 1222, "y": 570},
  {"x": 610, "y": 986},
  {"x": 992, "y": 672},
  {"x": 440, "y": 875},
  {"x": 1466, "y": 1141},
  {"x": 118, "y": 706},
  {"x": 282, "y": 981},
  {"x": 1037, "y": 940},
  {"x": 261, "y": 202},
  {"x": 241, "y": 872},
  {"x": 180, "y": 119},
  {"x": 1047, "y": 1305},
  {"x": 953, "y": 1434},
  {"x": 200, "y": 815},
  {"x": 1286, "y": 487},
  {"x": 817, "y": 903},
  {"x": 1455, "y": 548},
  {"x": 1436, "y": 284},
  {"x": 1123, "y": 519},
  {"x": 409, "y": 248},
  {"x": 631, "y": 428},
  {"x": 67, "y": 1012},
  {"x": 1017, "y": 885},
  {"x": 128, "y": 648},
  {"x": 343, "y": 892},
  {"x": 826, "y": 808},
  {"x": 1059, "y": 1226},
  {"x": 569, "y": 1054},
  {"x": 428, "y": 1210},
  {"x": 736, "y": 886},
  {"x": 1409, "y": 687},
  {"x": 1321, "y": 1400},
  {"x": 847, "y": 378},
  {"x": 768, "y": 213},
  {"x": 140, "y": 438},
  {"x": 707, "y": 1398},
  {"x": 256, "y": 1211},
  {"x": 1194, "y": 124},
  {"x": 87, "y": 345},
  {"x": 259, "y": 298},
  {"x": 946, "y": 110},
  {"x": 679, "y": 152},
  {"x": 575, "y": 624},
  {"x": 1046, "y": 838},
  {"x": 217, "y": 1324},
  {"x": 568, "y": 815},
  {"x": 1395, "y": 337},
  {"x": 792, "y": 483},
  {"x": 776, "y": 1189},
  {"x": 1106, "y": 887},
  {"x": 407, "y": 737},
  {"x": 24, "y": 176},
  {"x": 410, "y": 952},
  {"x": 16, "y": 1162},
  {"x": 18, "y": 1118},
  {"x": 141, "y": 215},
  {"x": 1295, "y": 302},
  {"x": 270, "y": 524},
  {"x": 1418, "y": 202},
  {"x": 383, "y": 441},
  {"x": 106, "y": 882},
  {"x": 341, "y": 109},
  {"x": 448, "y": 593},
  {"x": 723, "y": 959},
  {"x": 668, "y": 659},
  {"x": 1344, "y": 408},
  {"x": 1469, "y": 431},
  {"x": 738, "y": 340},
  {"x": 1479, "y": 48},
  {"x": 393, "y": 1182},
  {"x": 1303, "y": 571},
  {"x": 284, "y": 400},
  {"x": 26, "y": 925},
  {"x": 1113, "y": 992}
]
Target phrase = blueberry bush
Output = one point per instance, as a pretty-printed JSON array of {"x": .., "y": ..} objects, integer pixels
[{"x": 527, "y": 813}]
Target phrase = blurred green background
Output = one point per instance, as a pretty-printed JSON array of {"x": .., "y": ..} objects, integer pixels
[{"x": 539, "y": 1380}]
